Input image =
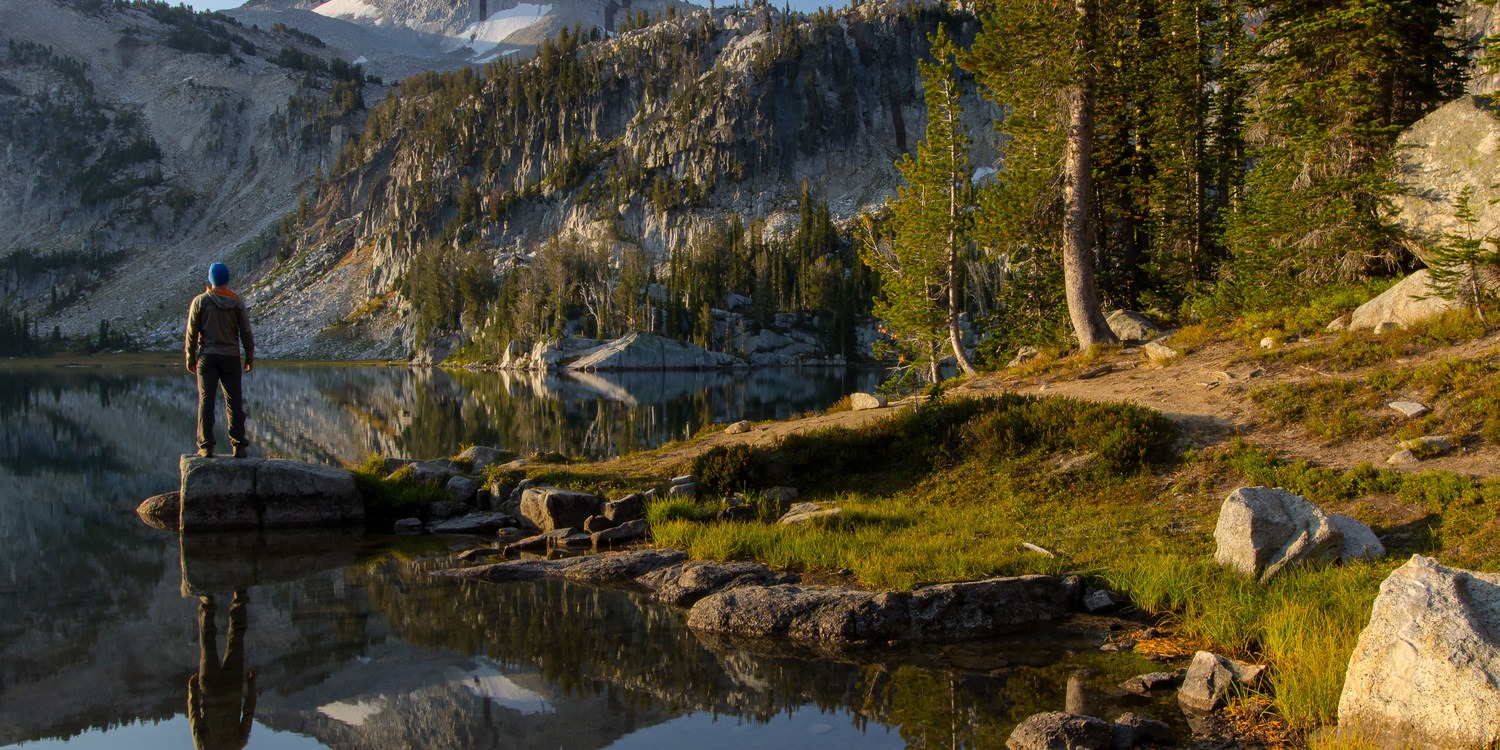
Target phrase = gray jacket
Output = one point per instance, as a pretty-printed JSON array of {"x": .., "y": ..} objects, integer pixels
[{"x": 218, "y": 323}]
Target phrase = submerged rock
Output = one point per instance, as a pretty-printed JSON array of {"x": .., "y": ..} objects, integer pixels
[
  {"x": 1426, "y": 670},
  {"x": 648, "y": 351},
  {"x": 605, "y": 569}
]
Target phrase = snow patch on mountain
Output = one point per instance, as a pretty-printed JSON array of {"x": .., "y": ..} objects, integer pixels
[
  {"x": 484, "y": 36},
  {"x": 350, "y": 9}
]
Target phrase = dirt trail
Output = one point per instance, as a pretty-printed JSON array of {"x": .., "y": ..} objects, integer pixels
[{"x": 1205, "y": 392}]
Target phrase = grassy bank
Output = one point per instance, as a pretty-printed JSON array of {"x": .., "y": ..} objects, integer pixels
[{"x": 954, "y": 489}]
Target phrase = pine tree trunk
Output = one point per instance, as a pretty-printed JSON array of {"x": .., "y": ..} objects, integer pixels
[
  {"x": 955, "y": 337},
  {"x": 1078, "y": 193}
]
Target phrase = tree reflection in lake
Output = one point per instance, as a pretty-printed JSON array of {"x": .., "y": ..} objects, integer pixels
[{"x": 355, "y": 645}]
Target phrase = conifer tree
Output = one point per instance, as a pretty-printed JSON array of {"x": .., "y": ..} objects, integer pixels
[
  {"x": 930, "y": 225},
  {"x": 1339, "y": 81},
  {"x": 1463, "y": 268}
]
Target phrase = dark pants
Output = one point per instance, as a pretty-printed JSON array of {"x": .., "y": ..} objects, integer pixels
[{"x": 220, "y": 372}]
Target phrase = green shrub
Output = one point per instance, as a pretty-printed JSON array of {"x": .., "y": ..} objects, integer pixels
[{"x": 726, "y": 468}]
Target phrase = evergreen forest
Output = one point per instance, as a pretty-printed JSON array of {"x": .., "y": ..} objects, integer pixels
[{"x": 1192, "y": 159}]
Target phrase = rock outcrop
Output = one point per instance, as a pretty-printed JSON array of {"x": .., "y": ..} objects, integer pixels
[
  {"x": 1426, "y": 670},
  {"x": 1262, "y": 531},
  {"x": 220, "y": 494},
  {"x": 1410, "y": 301},
  {"x": 749, "y": 600}
]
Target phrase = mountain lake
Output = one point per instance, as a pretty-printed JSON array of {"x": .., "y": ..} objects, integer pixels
[{"x": 117, "y": 635}]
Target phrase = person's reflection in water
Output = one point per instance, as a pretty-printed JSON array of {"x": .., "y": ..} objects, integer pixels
[{"x": 221, "y": 697}]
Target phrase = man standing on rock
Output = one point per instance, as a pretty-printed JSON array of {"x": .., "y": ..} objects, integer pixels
[{"x": 218, "y": 324}]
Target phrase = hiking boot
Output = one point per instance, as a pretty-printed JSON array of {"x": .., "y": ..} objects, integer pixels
[
  {"x": 205, "y": 452},
  {"x": 239, "y": 452}
]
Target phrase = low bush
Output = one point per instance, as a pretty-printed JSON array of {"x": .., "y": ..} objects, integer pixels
[
  {"x": 725, "y": 468},
  {"x": 391, "y": 498}
]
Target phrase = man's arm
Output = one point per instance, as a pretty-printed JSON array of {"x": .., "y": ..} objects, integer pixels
[
  {"x": 247, "y": 337},
  {"x": 190, "y": 338}
]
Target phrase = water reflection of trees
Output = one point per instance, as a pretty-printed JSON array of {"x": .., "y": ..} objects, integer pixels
[{"x": 589, "y": 642}]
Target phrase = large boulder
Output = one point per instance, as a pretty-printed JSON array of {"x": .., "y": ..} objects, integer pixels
[
  {"x": 1056, "y": 730},
  {"x": 1209, "y": 678},
  {"x": 1263, "y": 530},
  {"x": 1129, "y": 325},
  {"x": 1426, "y": 670},
  {"x": 1452, "y": 148},
  {"x": 220, "y": 494},
  {"x": 1411, "y": 300},
  {"x": 550, "y": 508},
  {"x": 648, "y": 351}
]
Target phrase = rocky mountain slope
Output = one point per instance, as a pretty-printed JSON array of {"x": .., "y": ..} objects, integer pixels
[
  {"x": 648, "y": 140},
  {"x": 141, "y": 141}
]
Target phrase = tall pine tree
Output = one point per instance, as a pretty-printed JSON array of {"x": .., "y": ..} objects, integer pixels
[{"x": 929, "y": 231}]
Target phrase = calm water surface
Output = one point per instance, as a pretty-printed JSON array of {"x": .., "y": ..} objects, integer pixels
[{"x": 115, "y": 635}]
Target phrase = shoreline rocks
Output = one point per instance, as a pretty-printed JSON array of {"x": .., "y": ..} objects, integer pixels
[{"x": 750, "y": 600}]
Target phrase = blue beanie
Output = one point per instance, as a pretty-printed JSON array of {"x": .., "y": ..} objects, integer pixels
[{"x": 218, "y": 274}]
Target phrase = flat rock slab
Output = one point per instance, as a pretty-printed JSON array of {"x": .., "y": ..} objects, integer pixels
[
  {"x": 1426, "y": 670},
  {"x": 826, "y": 614},
  {"x": 830, "y": 614},
  {"x": 607, "y": 569},
  {"x": 222, "y": 494},
  {"x": 474, "y": 523},
  {"x": 683, "y": 585}
]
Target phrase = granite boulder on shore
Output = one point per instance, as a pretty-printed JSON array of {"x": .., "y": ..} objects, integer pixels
[{"x": 226, "y": 494}]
